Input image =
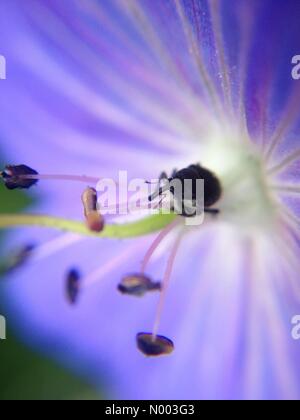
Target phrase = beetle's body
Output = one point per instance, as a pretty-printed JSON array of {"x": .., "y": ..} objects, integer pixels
[{"x": 187, "y": 198}]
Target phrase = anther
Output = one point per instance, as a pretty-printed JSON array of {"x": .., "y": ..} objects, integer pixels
[
  {"x": 138, "y": 285},
  {"x": 94, "y": 219},
  {"x": 154, "y": 346},
  {"x": 73, "y": 286},
  {"x": 16, "y": 177},
  {"x": 16, "y": 259}
]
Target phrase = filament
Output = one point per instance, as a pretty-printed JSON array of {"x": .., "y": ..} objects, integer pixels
[
  {"x": 156, "y": 243},
  {"x": 73, "y": 178},
  {"x": 132, "y": 208},
  {"x": 165, "y": 284}
]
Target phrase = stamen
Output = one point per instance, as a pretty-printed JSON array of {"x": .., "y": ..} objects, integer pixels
[
  {"x": 16, "y": 259},
  {"x": 156, "y": 244},
  {"x": 53, "y": 177},
  {"x": 165, "y": 285},
  {"x": 138, "y": 285},
  {"x": 22, "y": 176},
  {"x": 94, "y": 220},
  {"x": 73, "y": 286},
  {"x": 15, "y": 177},
  {"x": 285, "y": 163},
  {"x": 158, "y": 347}
]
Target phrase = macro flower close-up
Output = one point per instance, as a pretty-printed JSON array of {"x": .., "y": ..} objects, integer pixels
[{"x": 151, "y": 304}]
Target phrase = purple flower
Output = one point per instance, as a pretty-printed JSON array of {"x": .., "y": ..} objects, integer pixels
[{"x": 148, "y": 86}]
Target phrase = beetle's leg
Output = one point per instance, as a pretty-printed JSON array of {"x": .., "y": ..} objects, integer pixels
[
  {"x": 158, "y": 205},
  {"x": 161, "y": 189},
  {"x": 163, "y": 177},
  {"x": 174, "y": 173},
  {"x": 159, "y": 192},
  {"x": 211, "y": 211}
]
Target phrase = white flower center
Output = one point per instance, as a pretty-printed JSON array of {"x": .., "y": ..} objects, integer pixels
[{"x": 247, "y": 199}]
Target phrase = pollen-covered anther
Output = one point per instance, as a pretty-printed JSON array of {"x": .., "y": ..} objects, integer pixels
[
  {"x": 94, "y": 219},
  {"x": 138, "y": 285},
  {"x": 73, "y": 286},
  {"x": 19, "y": 176},
  {"x": 151, "y": 345}
]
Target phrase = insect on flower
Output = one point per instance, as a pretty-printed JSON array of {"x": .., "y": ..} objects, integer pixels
[{"x": 188, "y": 201}]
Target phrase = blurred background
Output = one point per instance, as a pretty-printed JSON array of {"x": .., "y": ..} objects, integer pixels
[{"x": 24, "y": 374}]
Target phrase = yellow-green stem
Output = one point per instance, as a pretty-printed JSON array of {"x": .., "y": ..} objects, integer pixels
[{"x": 141, "y": 227}]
